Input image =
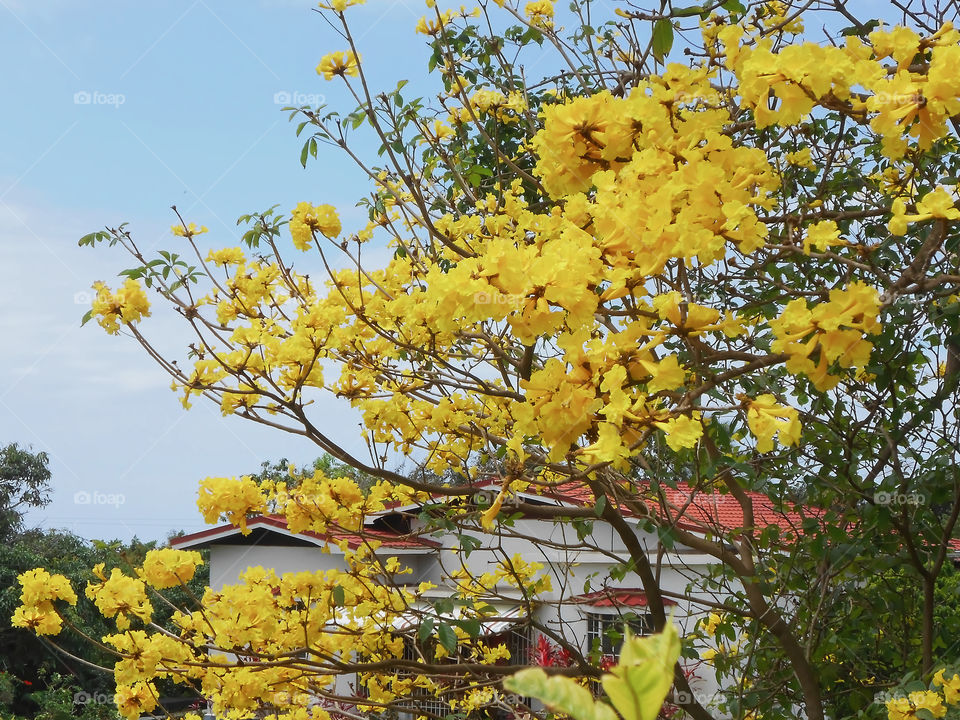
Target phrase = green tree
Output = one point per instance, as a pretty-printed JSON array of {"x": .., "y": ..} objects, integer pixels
[{"x": 24, "y": 483}]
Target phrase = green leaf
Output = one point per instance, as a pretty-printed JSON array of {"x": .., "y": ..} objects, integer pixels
[
  {"x": 87, "y": 316},
  {"x": 339, "y": 598},
  {"x": 559, "y": 694},
  {"x": 689, "y": 11},
  {"x": 640, "y": 682},
  {"x": 583, "y": 528},
  {"x": 468, "y": 544},
  {"x": 471, "y": 627},
  {"x": 425, "y": 629},
  {"x": 734, "y": 6},
  {"x": 662, "y": 39},
  {"x": 448, "y": 638},
  {"x": 92, "y": 238}
]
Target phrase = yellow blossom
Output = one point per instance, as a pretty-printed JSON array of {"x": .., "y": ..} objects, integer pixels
[
  {"x": 119, "y": 596},
  {"x": 683, "y": 431},
  {"x": 126, "y": 306},
  {"x": 226, "y": 256},
  {"x": 801, "y": 158},
  {"x": 188, "y": 231},
  {"x": 168, "y": 567},
  {"x": 821, "y": 236},
  {"x": 339, "y": 5},
  {"x": 306, "y": 218},
  {"x": 767, "y": 418},
  {"x": 340, "y": 63}
]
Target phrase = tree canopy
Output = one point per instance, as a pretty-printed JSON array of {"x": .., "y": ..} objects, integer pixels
[
  {"x": 714, "y": 244},
  {"x": 24, "y": 483}
]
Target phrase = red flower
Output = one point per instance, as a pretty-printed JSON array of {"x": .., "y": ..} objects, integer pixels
[{"x": 542, "y": 653}]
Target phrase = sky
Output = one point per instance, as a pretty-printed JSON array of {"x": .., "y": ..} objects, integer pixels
[{"x": 114, "y": 112}]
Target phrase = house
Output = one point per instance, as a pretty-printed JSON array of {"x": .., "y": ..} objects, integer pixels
[{"x": 590, "y": 596}]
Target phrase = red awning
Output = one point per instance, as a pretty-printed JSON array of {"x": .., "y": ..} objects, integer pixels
[{"x": 616, "y": 597}]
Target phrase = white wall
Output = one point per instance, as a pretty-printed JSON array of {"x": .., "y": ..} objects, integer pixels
[{"x": 228, "y": 561}]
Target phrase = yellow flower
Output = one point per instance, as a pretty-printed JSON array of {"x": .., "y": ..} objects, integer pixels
[
  {"x": 441, "y": 130},
  {"x": 710, "y": 624},
  {"x": 899, "y": 708},
  {"x": 930, "y": 701},
  {"x": 939, "y": 203},
  {"x": 226, "y": 256},
  {"x": 136, "y": 700},
  {"x": 773, "y": 16},
  {"x": 540, "y": 13},
  {"x": 42, "y": 619},
  {"x": 342, "y": 63},
  {"x": 38, "y": 586},
  {"x": 306, "y": 218},
  {"x": 821, "y": 236},
  {"x": 683, "y": 431},
  {"x": 188, "y": 231},
  {"x": 901, "y": 43},
  {"x": 128, "y": 305},
  {"x": 120, "y": 596},
  {"x": 766, "y": 418},
  {"x": 951, "y": 687},
  {"x": 231, "y": 497},
  {"x": 339, "y": 5},
  {"x": 490, "y": 514},
  {"x": 609, "y": 447},
  {"x": 168, "y": 567},
  {"x": 801, "y": 158}
]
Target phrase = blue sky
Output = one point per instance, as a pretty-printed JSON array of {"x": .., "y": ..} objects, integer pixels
[{"x": 114, "y": 112}]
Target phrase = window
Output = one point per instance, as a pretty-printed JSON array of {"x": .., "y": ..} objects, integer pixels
[{"x": 605, "y": 630}]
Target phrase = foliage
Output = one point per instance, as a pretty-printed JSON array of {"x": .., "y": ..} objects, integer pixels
[
  {"x": 284, "y": 471},
  {"x": 37, "y": 680},
  {"x": 24, "y": 482},
  {"x": 740, "y": 270}
]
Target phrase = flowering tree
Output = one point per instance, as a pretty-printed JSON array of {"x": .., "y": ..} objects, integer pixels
[{"x": 738, "y": 270}]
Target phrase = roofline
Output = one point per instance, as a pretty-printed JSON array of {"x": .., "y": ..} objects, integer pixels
[
  {"x": 226, "y": 530},
  {"x": 279, "y": 526}
]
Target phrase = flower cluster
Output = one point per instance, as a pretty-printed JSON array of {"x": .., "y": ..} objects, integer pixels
[
  {"x": 39, "y": 591},
  {"x": 126, "y": 306}
]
